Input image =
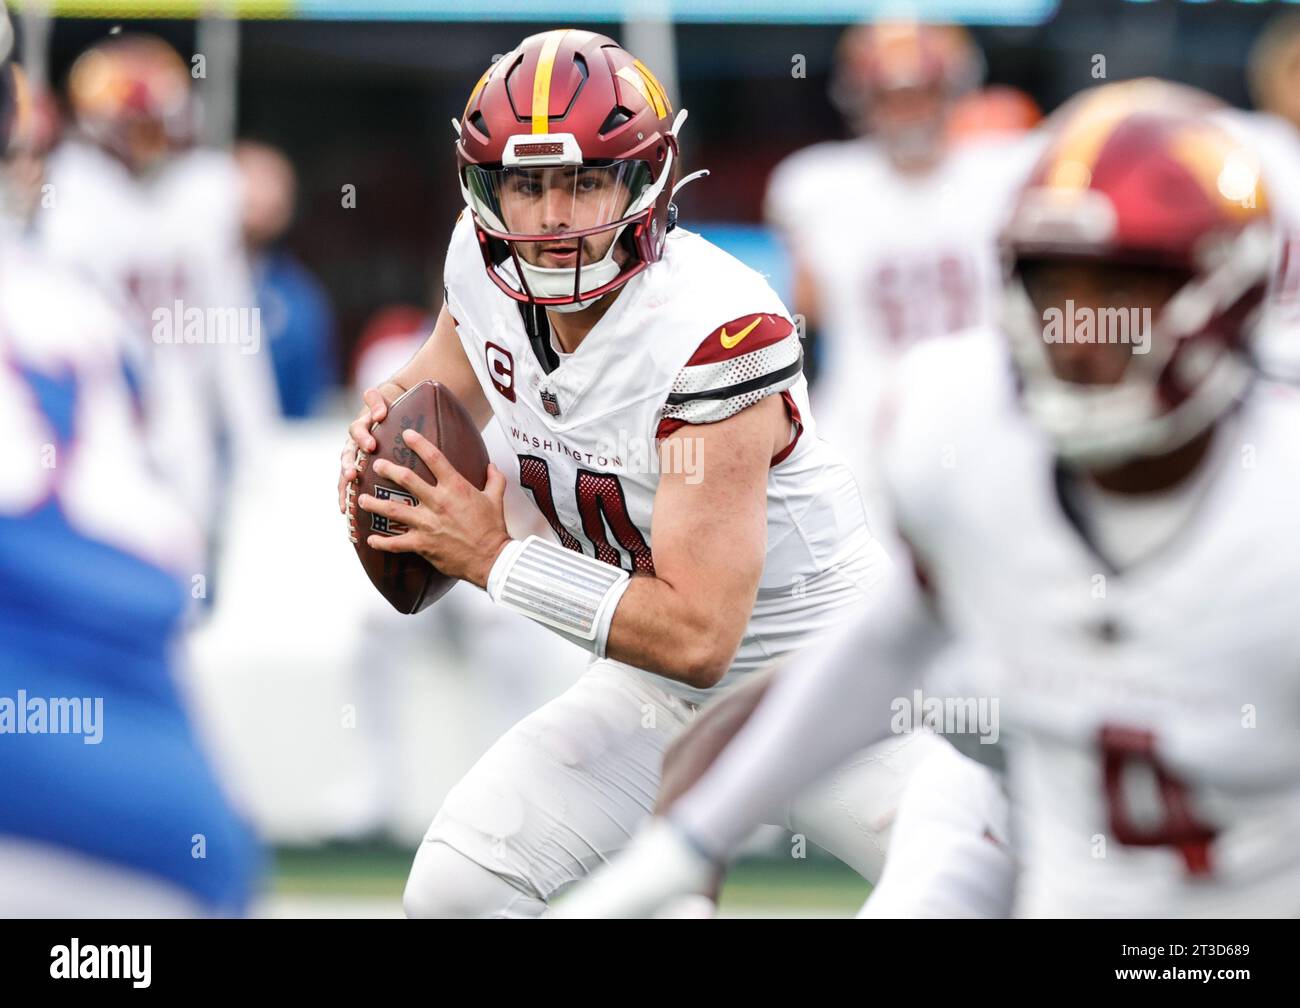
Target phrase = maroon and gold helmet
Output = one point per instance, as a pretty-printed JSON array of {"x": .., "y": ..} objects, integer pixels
[
  {"x": 567, "y": 155},
  {"x": 130, "y": 94},
  {"x": 1145, "y": 174}
]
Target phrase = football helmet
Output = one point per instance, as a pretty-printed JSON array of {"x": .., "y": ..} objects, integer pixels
[
  {"x": 567, "y": 155},
  {"x": 130, "y": 94},
  {"x": 1139, "y": 174}
]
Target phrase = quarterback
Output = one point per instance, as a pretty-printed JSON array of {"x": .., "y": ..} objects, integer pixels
[
  {"x": 581, "y": 318},
  {"x": 1119, "y": 528}
]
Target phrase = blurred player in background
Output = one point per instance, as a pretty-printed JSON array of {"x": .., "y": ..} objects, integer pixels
[
  {"x": 1274, "y": 76},
  {"x": 892, "y": 233},
  {"x": 1121, "y": 527},
  {"x": 155, "y": 223},
  {"x": 652, "y": 387},
  {"x": 108, "y": 806},
  {"x": 297, "y": 320}
]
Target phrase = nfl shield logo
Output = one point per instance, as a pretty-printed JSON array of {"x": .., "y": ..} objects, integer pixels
[
  {"x": 550, "y": 403},
  {"x": 390, "y": 526}
]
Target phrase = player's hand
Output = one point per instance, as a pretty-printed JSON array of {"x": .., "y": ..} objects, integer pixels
[
  {"x": 659, "y": 866},
  {"x": 456, "y": 527},
  {"x": 359, "y": 436}
]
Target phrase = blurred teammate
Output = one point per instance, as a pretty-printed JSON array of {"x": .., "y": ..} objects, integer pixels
[
  {"x": 1120, "y": 527},
  {"x": 297, "y": 321},
  {"x": 651, "y": 386},
  {"x": 108, "y": 807},
  {"x": 1274, "y": 76},
  {"x": 892, "y": 233},
  {"x": 156, "y": 225}
]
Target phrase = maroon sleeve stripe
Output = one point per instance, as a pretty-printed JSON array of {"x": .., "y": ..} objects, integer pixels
[{"x": 755, "y": 332}]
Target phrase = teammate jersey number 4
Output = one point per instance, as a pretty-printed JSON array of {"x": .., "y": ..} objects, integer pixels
[
  {"x": 1125, "y": 748},
  {"x": 601, "y": 504}
]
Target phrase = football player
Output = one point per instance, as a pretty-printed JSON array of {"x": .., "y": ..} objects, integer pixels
[
  {"x": 1274, "y": 72},
  {"x": 652, "y": 388},
  {"x": 911, "y": 255},
  {"x": 108, "y": 805},
  {"x": 156, "y": 224},
  {"x": 1117, "y": 523}
]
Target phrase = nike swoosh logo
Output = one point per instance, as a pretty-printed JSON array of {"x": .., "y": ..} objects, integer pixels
[{"x": 730, "y": 341}]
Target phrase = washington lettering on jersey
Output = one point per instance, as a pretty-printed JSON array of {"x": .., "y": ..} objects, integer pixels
[
  {"x": 681, "y": 455},
  {"x": 547, "y": 445}
]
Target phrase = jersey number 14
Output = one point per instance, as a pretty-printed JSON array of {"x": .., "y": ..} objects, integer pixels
[{"x": 602, "y": 505}]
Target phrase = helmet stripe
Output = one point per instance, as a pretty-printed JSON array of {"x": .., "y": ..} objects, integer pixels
[
  {"x": 1227, "y": 172},
  {"x": 477, "y": 88},
  {"x": 637, "y": 81},
  {"x": 659, "y": 96},
  {"x": 542, "y": 80},
  {"x": 1078, "y": 151}
]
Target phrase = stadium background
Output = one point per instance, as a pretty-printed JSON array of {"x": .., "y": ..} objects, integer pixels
[{"x": 342, "y": 764}]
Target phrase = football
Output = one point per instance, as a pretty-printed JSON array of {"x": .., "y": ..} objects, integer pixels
[{"x": 407, "y": 580}]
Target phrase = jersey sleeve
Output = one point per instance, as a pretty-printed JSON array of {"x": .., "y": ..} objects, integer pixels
[
  {"x": 462, "y": 264},
  {"x": 738, "y": 364}
]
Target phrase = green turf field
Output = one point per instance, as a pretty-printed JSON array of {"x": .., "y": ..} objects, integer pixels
[{"x": 365, "y": 880}]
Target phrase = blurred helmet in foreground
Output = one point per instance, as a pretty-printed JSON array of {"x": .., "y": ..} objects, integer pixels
[
  {"x": 1138, "y": 176},
  {"x": 130, "y": 94},
  {"x": 897, "y": 80},
  {"x": 567, "y": 153}
]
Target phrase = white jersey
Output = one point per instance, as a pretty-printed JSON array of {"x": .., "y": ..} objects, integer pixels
[
  {"x": 694, "y": 338},
  {"x": 1152, "y": 713},
  {"x": 895, "y": 258},
  {"x": 166, "y": 249},
  {"x": 65, "y": 397}
]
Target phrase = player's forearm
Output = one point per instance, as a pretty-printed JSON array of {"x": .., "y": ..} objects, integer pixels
[
  {"x": 659, "y": 628},
  {"x": 823, "y": 708}
]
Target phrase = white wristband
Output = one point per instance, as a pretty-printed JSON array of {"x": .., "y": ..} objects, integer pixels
[{"x": 569, "y": 592}]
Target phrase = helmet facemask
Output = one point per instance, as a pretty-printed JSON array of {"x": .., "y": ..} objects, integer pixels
[
  {"x": 557, "y": 230},
  {"x": 1185, "y": 371}
]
